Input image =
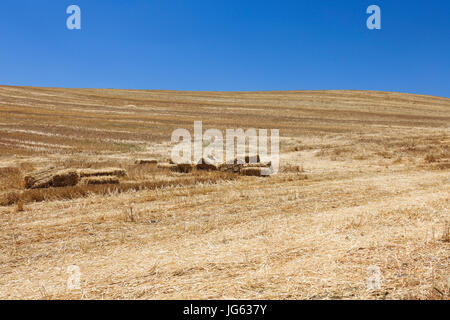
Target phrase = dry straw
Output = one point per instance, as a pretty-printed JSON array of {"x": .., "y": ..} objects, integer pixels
[
  {"x": 100, "y": 180},
  {"x": 219, "y": 235}
]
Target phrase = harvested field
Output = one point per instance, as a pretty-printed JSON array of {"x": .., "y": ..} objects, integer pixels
[{"x": 364, "y": 182}]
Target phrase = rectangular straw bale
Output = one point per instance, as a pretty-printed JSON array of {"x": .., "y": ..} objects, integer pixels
[
  {"x": 100, "y": 180},
  {"x": 118, "y": 172},
  {"x": 256, "y": 171},
  {"x": 146, "y": 161}
]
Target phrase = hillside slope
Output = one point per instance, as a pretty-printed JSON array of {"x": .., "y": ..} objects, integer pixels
[{"x": 364, "y": 183}]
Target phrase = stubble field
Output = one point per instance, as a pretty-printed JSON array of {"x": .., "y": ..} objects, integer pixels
[{"x": 363, "y": 184}]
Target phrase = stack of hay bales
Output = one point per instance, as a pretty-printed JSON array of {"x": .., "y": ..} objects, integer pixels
[
  {"x": 256, "y": 171},
  {"x": 167, "y": 166},
  {"x": 252, "y": 166},
  {"x": 118, "y": 172},
  {"x": 40, "y": 179},
  {"x": 236, "y": 165},
  {"x": 51, "y": 178},
  {"x": 65, "y": 179},
  {"x": 260, "y": 169},
  {"x": 146, "y": 161},
  {"x": 226, "y": 167},
  {"x": 101, "y": 180},
  {"x": 101, "y": 176},
  {"x": 181, "y": 167},
  {"x": 208, "y": 163},
  {"x": 185, "y": 167}
]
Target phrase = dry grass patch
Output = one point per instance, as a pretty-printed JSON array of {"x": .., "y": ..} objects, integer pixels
[{"x": 11, "y": 178}]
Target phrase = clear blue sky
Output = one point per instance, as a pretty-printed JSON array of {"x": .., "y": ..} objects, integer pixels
[{"x": 227, "y": 45}]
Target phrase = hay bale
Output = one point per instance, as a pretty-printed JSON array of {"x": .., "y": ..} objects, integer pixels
[
  {"x": 226, "y": 167},
  {"x": 100, "y": 180},
  {"x": 32, "y": 182},
  {"x": 444, "y": 165},
  {"x": 65, "y": 179},
  {"x": 49, "y": 178},
  {"x": 181, "y": 167},
  {"x": 118, "y": 172},
  {"x": 184, "y": 167},
  {"x": 256, "y": 171},
  {"x": 207, "y": 167},
  {"x": 207, "y": 164},
  {"x": 146, "y": 161},
  {"x": 39, "y": 179},
  {"x": 167, "y": 166}
]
